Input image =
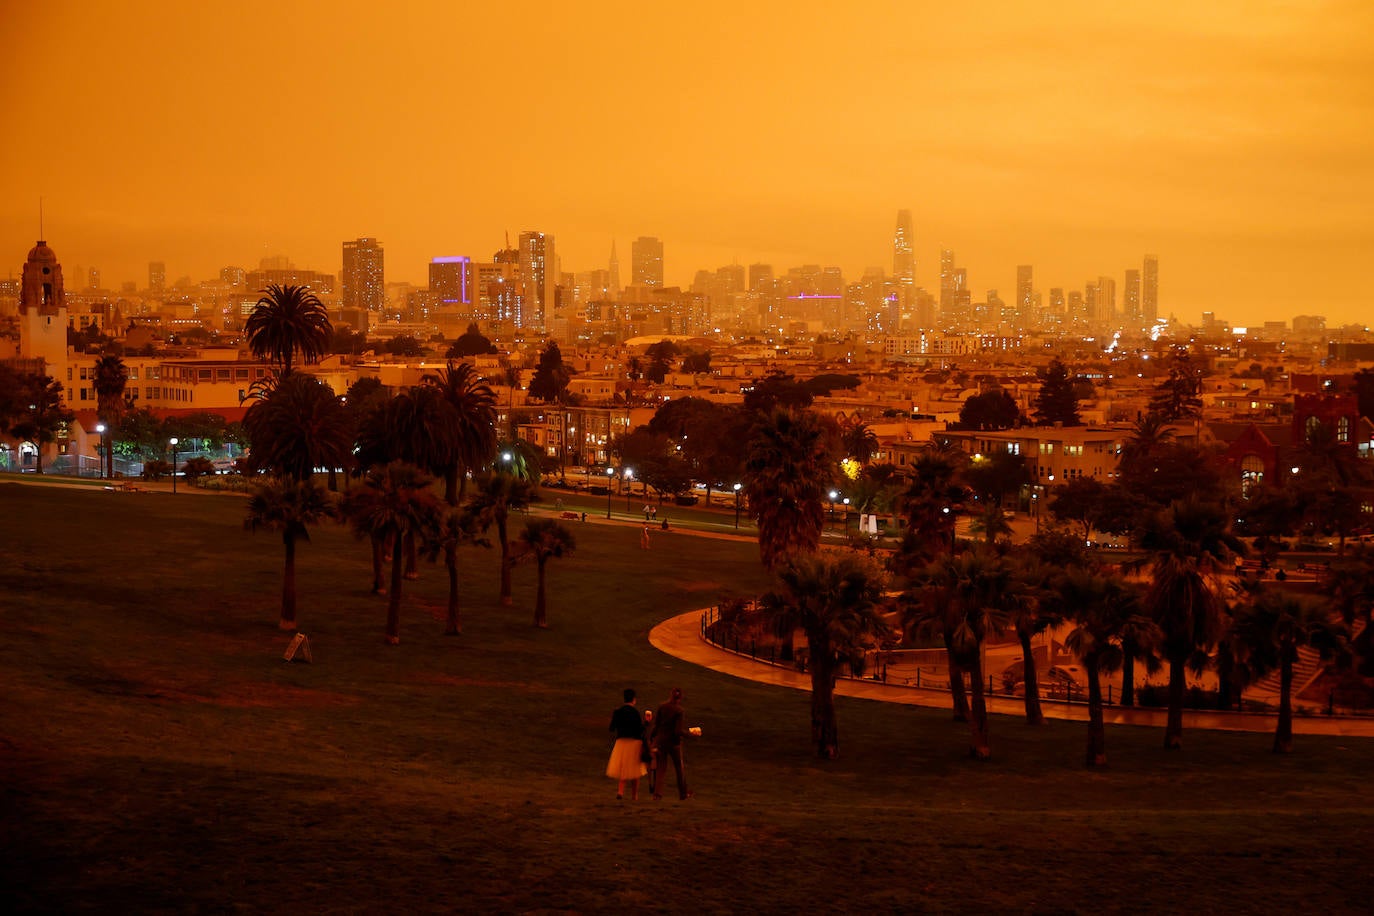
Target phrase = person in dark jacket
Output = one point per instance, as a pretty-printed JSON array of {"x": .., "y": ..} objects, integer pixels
[
  {"x": 670, "y": 727},
  {"x": 626, "y": 765}
]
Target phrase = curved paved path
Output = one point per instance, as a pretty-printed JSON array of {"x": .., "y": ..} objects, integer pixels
[{"x": 680, "y": 637}]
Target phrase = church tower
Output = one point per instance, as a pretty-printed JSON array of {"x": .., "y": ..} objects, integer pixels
[{"x": 43, "y": 314}]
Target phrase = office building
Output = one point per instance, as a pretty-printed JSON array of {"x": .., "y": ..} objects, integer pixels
[
  {"x": 362, "y": 284},
  {"x": 1149, "y": 290},
  {"x": 646, "y": 257},
  {"x": 157, "y": 276},
  {"x": 903, "y": 259},
  {"x": 451, "y": 281},
  {"x": 1131, "y": 315},
  {"x": 538, "y": 273}
]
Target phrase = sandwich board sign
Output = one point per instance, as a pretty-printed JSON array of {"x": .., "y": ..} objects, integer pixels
[{"x": 298, "y": 647}]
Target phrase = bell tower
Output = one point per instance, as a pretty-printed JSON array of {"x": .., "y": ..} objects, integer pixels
[{"x": 43, "y": 313}]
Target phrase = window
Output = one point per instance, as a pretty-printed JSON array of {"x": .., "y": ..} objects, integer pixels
[
  {"x": 133, "y": 373},
  {"x": 223, "y": 375},
  {"x": 1343, "y": 429},
  {"x": 203, "y": 375},
  {"x": 1047, "y": 448}
]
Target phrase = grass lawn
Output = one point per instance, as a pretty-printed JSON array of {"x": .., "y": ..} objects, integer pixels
[{"x": 156, "y": 753}]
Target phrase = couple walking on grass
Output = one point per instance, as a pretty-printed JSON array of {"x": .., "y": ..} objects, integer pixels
[{"x": 645, "y": 744}]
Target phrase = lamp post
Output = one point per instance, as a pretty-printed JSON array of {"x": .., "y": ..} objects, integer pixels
[
  {"x": 173, "y": 441},
  {"x": 834, "y": 495},
  {"x": 627, "y": 474},
  {"x": 737, "y": 507},
  {"x": 610, "y": 472},
  {"x": 846, "y": 516},
  {"x": 100, "y": 470}
]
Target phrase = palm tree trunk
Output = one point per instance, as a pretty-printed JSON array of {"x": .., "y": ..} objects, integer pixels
[
  {"x": 288, "y": 584},
  {"x": 824, "y": 728},
  {"x": 539, "y": 607},
  {"x": 1283, "y": 735},
  {"x": 978, "y": 718},
  {"x": 451, "y": 485},
  {"x": 393, "y": 606},
  {"x": 1173, "y": 729},
  {"x": 956, "y": 680},
  {"x": 1127, "y": 675},
  {"x": 1097, "y": 731},
  {"x": 378, "y": 564},
  {"x": 454, "y": 625},
  {"x": 1034, "y": 715},
  {"x": 505, "y": 558}
]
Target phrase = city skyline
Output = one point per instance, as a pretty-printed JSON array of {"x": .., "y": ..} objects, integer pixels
[{"x": 1229, "y": 142}]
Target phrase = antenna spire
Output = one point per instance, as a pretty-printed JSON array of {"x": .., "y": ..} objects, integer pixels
[{"x": 40, "y": 218}]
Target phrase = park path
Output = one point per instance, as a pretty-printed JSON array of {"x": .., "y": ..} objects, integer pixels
[{"x": 681, "y": 638}]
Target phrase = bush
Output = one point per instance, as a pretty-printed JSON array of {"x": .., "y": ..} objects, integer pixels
[{"x": 156, "y": 469}]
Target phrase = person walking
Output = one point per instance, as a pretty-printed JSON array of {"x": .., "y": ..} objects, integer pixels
[
  {"x": 626, "y": 765},
  {"x": 670, "y": 728},
  {"x": 644, "y": 539}
]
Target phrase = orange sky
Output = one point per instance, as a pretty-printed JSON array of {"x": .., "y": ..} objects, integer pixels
[{"x": 1233, "y": 139}]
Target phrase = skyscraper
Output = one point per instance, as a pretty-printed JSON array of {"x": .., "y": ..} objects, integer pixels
[
  {"x": 1025, "y": 295},
  {"x": 903, "y": 260},
  {"x": 363, "y": 281},
  {"x": 1106, "y": 301},
  {"x": 451, "y": 281},
  {"x": 646, "y": 257},
  {"x": 538, "y": 268},
  {"x": 614, "y": 272},
  {"x": 760, "y": 277},
  {"x": 1130, "y": 301},
  {"x": 157, "y": 276},
  {"x": 1149, "y": 290}
]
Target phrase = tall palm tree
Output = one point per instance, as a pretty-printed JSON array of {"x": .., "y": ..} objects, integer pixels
[
  {"x": 1033, "y": 611},
  {"x": 930, "y": 505},
  {"x": 833, "y": 599},
  {"x": 111, "y": 377},
  {"x": 858, "y": 441},
  {"x": 1101, "y": 607},
  {"x": 474, "y": 415},
  {"x": 545, "y": 539},
  {"x": 967, "y": 597},
  {"x": 296, "y": 427},
  {"x": 291, "y": 507},
  {"x": 456, "y": 528},
  {"x": 791, "y": 463},
  {"x": 495, "y": 495},
  {"x": 288, "y": 320},
  {"x": 1187, "y": 545},
  {"x": 395, "y": 501},
  {"x": 1269, "y": 632}
]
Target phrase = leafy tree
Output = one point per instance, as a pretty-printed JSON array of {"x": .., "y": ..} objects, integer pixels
[
  {"x": 1351, "y": 586},
  {"x": 661, "y": 356},
  {"x": 551, "y": 376},
  {"x": 1103, "y": 608},
  {"x": 1186, "y": 545},
  {"x": 111, "y": 377},
  {"x": 1364, "y": 392},
  {"x": 1178, "y": 396},
  {"x": 791, "y": 463},
  {"x": 196, "y": 467},
  {"x": 38, "y": 414},
  {"x": 470, "y": 343},
  {"x": 288, "y": 321},
  {"x": 291, "y": 507},
  {"x": 1079, "y": 501},
  {"x": 1269, "y": 632},
  {"x": 545, "y": 539},
  {"x": 990, "y": 410},
  {"x": 347, "y": 341},
  {"x": 997, "y": 476},
  {"x": 776, "y": 389},
  {"x": 1057, "y": 400},
  {"x": 697, "y": 362},
  {"x": 298, "y": 426},
  {"x": 495, "y": 495},
  {"x": 834, "y": 600},
  {"x": 822, "y": 385},
  {"x": 395, "y": 502},
  {"x": 403, "y": 345}
]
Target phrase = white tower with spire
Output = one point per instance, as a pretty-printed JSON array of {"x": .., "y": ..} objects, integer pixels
[
  {"x": 615, "y": 273},
  {"x": 43, "y": 313}
]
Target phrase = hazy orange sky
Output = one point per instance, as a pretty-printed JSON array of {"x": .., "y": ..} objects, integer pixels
[{"x": 1233, "y": 139}]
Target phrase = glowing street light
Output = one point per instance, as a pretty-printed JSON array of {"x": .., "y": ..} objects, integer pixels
[
  {"x": 173, "y": 442},
  {"x": 100, "y": 471},
  {"x": 610, "y": 472},
  {"x": 737, "y": 486}
]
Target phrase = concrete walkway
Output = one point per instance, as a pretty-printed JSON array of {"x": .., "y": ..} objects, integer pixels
[{"x": 680, "y": 637}]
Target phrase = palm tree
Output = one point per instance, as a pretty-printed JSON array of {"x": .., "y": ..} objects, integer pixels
[
  {"x": 967, "y": 597},
  {"x": 1102, "y": 608},
  {"x": 456, "y": 528},
  {"x": 1188, "y": 543},
  {"x": 833, "y": 598},
  {"x": 296, "y": 426},
  {"x": 992, "y": 523},
  {"x": 858, "y": 441},
  {"x": 1269, "y": 632},
  {"x": 790, "y": 465},
  {"x": 1351, "y": 585},
  {"x": 395, "y": 501},
  {"x": 110, "y": 379},
  {"x": 495, "y": 495},
  {"x": 1033, "y": 612},
  {"x": 545, "y": 539},
  {"x": 930, "y": 506},
  {"x": 288, "y": 320},
  {"x": 291, "y": 507},
  {"x": 474, "y": 415}
]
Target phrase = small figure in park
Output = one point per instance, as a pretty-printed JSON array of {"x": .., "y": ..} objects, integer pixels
[
  {"x": 626, "y": 765},
  {"x": 644, "y": 539}
]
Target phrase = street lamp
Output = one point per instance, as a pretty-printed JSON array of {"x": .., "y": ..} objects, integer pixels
[
  {"x": 173, "y": 441},
  {"x": 610, "y": 472},
  {"x": 737, "y": 507},
  {"x": 846, "y": 516},
  {"x": 834, "y": 495},
  {"x": 629, "y": 474},
  {"x": 100, "y": 471}
]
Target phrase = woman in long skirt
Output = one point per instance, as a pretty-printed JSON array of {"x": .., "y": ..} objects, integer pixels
[{"x": 626, "y": 765}]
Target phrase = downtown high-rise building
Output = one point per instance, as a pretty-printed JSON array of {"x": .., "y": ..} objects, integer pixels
[
  {"x": 362, "y": 283},
  {"x": 451, "y": 281},
  {"x": 1106, "y": 301},
  {"x": 903, "y": 257},
  {"x": 760, "y": 278},
  {"x": 646, "y": 262},
  {"x": 1149, "y": 290},
  {"x": 157, "y": 276},
  {"x": 1024, "y": 309},
  {"x": 538, "y": 274},
  {"x": 1131, "y": 315}
]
